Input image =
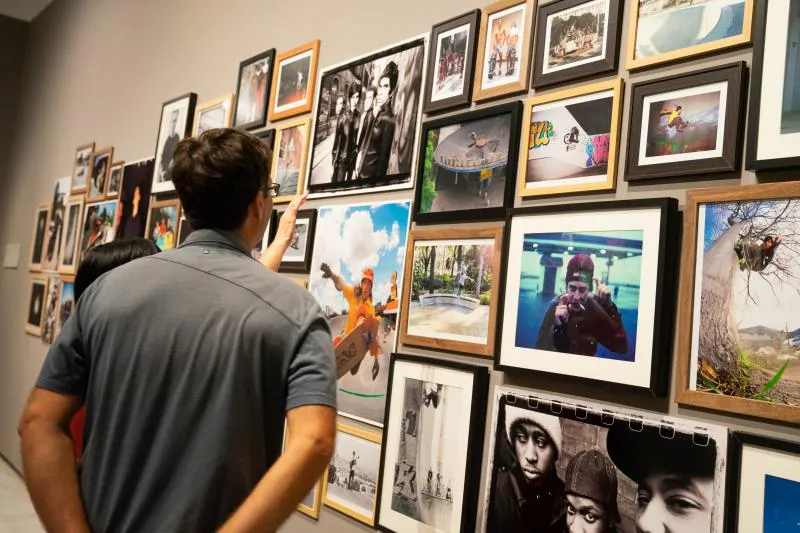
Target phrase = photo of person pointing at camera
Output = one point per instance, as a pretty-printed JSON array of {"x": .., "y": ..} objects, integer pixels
[{"x": 582, "y": 317}]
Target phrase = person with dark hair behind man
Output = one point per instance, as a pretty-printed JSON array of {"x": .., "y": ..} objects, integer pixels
[
  {"x": 378, "y": 147},
  {"x": 189, "y": 363}
]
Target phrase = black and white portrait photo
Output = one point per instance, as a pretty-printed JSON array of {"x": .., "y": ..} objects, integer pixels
[
  {"x": 367, "y": 121},
  {"x": 176, "y": 123},
  {"x": 99, "y": 169},
  {"x": 557, "y": 467},
  {"x": 80, "y": 169},
  {"x": 55, "y": 225}
]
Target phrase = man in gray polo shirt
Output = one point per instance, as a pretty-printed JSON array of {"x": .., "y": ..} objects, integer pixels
[{"x": 188, "y": 362}]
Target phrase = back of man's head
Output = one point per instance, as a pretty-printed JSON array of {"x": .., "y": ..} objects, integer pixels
[{"x": 218, "y": 175}]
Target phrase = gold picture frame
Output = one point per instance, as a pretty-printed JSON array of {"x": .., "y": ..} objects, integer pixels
[
  {"x": 303, "y": 105},
  {"x": 279, "y": 155},
  {"x": 62, "y": 281},
  {"x": 116, "y": 166},
  {"x": 609, "y": 184},
  {"x": 681, "y": 54},
  {"x": 38, "y": 239},
  {"x": 85, "y": 151},
  {"x": 31, "y": 328},
  {"x": 174, "y": 202},
  {"x": 225, "y": 102}
]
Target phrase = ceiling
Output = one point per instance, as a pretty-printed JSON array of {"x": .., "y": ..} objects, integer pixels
[{"x": 26, "y": 10}]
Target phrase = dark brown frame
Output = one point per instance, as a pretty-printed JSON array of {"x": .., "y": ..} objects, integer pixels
[
  {"x": 473, "y": 18},
  {"x": 601, "y": 66},
  {"x": 730, "y": 161},
  {"x": 261, "y": 121},
  {"x": 187, "y": 131},
  {"x": 295, "y": 267}
]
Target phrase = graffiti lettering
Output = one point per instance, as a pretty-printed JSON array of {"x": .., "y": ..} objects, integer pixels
[{"x": 541, "y": 132}]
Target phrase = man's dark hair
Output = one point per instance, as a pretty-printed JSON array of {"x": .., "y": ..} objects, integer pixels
[
  {"x": 355, "y": 88},
  {"x": 392, "y": 72},
  {"x": 217, "y": 176},
  {"x": 678, "y": 108},
  {"x": 109, "y": 256}
]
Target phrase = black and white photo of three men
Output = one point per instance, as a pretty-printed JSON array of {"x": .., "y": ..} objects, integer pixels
[
  {"x": 367, "y": 120},
  {"x": 558, "y": 468}
]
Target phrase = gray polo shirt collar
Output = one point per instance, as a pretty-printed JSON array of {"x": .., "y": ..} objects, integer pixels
[{"x": 216, "y": 238}]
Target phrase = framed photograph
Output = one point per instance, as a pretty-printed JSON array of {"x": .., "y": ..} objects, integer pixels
[
  {"x": 297, "y": 258},
  {"x": 589, "y": 291},
  {"x": 268, "y": 138},
  {"x": 98, "y": 226},
  {"x": 763, "y": 485},
  {"x": 99, "y": 168},
  {"x": 773, "y": 126},
  {"x": 213, "y": 114},
  {"x": 115, "y": 179},
  {"x": 687, "y": 125},
  {"x": 80, "y": 168},
  {"x": 576, "y": 39},
  {"x": 255, "y": 80},
  {"x": 467, "y": 165},
  {"x": 50, "y": 319},
  {"x": 175, "y": 124},
  {"x": 134, "y": 199},
  {"x": 39, "y": 235},
  {"x": 36, "y": 305},
  {"x": 552, "y": 462},
  {"x": 294, "y": 82},
  {"x": 367, "y": 122},
  {"x": 433, "y": 442},
  {"x": 739, "y": 328},
  {"x": 55, "y": 225},
  {"x": 504, "y": 47},
  {"x": 66, "y": 303},
  {"x": 351, "y": 483},
  {"x": 570, "y": 141},
  {"x": 356, "y": 277},
  {"x": 162, "y": 223},
  {"x": 661, "y": 32},
  {"x": 452, "y": 278},
  {"x": 68, "y": 258},
  {"x": 184, "y": 229},
  {"x": 448, "y": 81},
  {"x": 290, "y": 159}
]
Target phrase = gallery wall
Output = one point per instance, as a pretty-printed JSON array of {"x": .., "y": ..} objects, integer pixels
[
  {"x": 13, "y": 37},
  {"x": 99, "y": 71}
]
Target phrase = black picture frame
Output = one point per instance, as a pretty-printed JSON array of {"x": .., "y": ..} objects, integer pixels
[
  {"x": 666, "y": 284},
  {"x": 491, "y": 213},
  {"x": 735, "y": 74},
  {"x": 477, "y": 426},
  {"x": 752, "y": 162},
  {"x": 155, "y": 188},
  {"x": 268, "y": 138},
  {"x": 261, "y": 121},
  {"x": 606, "y": 65},
  {"x": 473, "y": 18},
  {"x": 737, "y": 442},
  {"x": 294, "y": 267}
]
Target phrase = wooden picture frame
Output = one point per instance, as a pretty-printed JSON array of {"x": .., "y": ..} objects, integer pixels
[
  {"x": 106, "y": 155},
  {"x": 260, "y": 119},
  {"x": 63, "y": 280},
  {"x": 368, "y": 436},
  {"x": 644, "y": 162},
  {"x": 465, "y": 400},
  {"x": 303, "y": 126},
  {"x": 79, "y": 181},
  {"x": 606, "y": 61},
  {"x": 714, "y": 363},
  {"x": 106, "y": 233},
  {"x": 168, "y": 243},
  {"x": 440, "y": 100},
  {"x": 114, "y": 182},
  {"x": 38, "y": 237},
  {"x": 774, "y": 458},
  {"x": 225, "y": 102},
  {"x": 453, "y": 169},
  {"x": 301, "y": 265},
  {"x": 465, "y": 341},
  {"x": 172, "y": 134},
  {"x": 588, "y": 96},
  {"x": 65, "y": 266},
  {"x": 34, "y": 327},
  {"x": 488, "y": 15},
  {"x": 594, "y": 236},
  {"x": 768, "y": 146},
  {"x": 688, "y": 52},
  {"x": 305, "y": 100}
]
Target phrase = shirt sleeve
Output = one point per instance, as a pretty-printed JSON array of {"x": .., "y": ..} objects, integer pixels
[
  {"x": 66, "y": 368},
  {"x": 312, "y": 371}
]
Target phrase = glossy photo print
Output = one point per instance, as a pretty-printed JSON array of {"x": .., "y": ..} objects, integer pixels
[
  {"x": 36, "y": 305},
  {"x": 253, "y": 87},
  {"x": 162, "y": 225},
  {"x": 99, "y": 169},
  {"x": 98, "y": 225},
  {"x": 367, "y": 118},
  {"x": 294, "y": 82},
  {"x": 290, "y": 158},
  {"x": 452, "y": 60},
  {"x": 134, "y": 199},
  {"x": 576, "y": 36},
  {"x": 504, "y": 53},
  {"x": 357, "y": 276},
  {"x": 554, "y": 466},
  {"x": 177, "y": 116}
]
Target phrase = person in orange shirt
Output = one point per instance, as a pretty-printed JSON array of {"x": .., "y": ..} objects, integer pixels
[{"x": 360, "y": 307}]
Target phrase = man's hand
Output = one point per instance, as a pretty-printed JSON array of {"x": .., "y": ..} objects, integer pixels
[
  {"x": 326, "y": 270},
  {"x": 562, "y": 310},
  {"x": 602, "y": 293}
]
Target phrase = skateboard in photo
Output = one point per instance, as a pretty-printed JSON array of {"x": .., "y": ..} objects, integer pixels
[{"x": 350, "y": 350}]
